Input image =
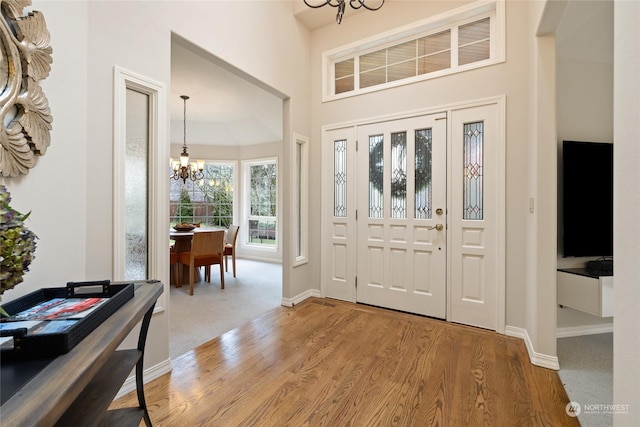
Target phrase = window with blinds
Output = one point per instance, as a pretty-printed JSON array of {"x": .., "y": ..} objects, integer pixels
[{"x": 440, "y": 49}]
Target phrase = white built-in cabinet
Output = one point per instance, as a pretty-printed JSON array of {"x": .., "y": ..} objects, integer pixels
[{"x": 586, "y": 291}]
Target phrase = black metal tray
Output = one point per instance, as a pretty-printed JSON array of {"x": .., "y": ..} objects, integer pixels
[{"x": 53, "y": 344}]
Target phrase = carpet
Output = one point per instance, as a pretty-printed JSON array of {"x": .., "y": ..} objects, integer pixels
[
  {"x": 586, "y": 370},
  {"x": 211, "y": 311}
]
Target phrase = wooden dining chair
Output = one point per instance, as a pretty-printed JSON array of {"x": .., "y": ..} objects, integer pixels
[
  {"x": 230, "y": 248},
  {"x": 207, "y": 248}
]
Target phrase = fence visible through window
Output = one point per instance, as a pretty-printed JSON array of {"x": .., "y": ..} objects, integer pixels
[{"x": 208, "y": 201}]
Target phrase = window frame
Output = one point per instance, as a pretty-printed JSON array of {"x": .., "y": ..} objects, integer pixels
[
  {"x": 157, "y": 184},
  {"x": 450, "y": 20},
  {"x": 234, "y": 178},
  {"x": 246, "y": 193},
  {"x": 301, "y": 199}
]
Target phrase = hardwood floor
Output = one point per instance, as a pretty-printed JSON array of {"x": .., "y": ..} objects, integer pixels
[{"x": 331, "y": 363}]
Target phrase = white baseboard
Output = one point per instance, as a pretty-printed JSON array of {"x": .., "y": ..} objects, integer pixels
[
  {"x": 512, "y": 331},
  {"x": 538, "y": 359},
  {"x": 576, "y": 331},
  {"x": 290, "y": 302},
  {"x": 149, "y": 375}
]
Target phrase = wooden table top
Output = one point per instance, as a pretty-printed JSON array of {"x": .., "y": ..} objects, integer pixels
[{"x": 42, "y": 400}]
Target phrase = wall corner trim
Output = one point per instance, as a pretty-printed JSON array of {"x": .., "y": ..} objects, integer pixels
[
  {"x": 538, "y": 359},
  {"x": 290, "y": 302}
]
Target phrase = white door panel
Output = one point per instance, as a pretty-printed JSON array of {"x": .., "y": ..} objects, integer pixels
[{"x": 401, "y": 256}]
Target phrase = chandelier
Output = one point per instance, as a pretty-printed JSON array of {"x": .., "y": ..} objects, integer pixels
[
  {"x": 340, "y": 4},
  {"x": 183, "y": 169}
]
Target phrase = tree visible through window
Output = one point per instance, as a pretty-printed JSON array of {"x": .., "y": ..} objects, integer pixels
[
  {"x": 263, "y": 200},
  {"x": 208, "y": 201}
]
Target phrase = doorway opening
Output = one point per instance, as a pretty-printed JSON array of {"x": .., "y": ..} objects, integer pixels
[{"x": 233, "y": 119}]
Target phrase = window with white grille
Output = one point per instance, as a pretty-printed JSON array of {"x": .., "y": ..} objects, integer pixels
[{"x": 466, "y": 38}]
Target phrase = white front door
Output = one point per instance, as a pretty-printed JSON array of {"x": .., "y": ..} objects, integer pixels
[
  {"x": 402, "y": 235},
  {"x": 414, "y": 217}
]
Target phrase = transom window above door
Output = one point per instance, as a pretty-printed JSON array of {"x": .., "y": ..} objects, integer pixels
[{"x": 465, "y": 38}]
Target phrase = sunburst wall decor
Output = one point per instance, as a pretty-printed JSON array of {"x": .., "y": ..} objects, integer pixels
[{"x": 25, "y": 117}]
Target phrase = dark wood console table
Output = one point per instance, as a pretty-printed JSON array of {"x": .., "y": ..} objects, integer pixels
[{"x": 76, "y": 388}]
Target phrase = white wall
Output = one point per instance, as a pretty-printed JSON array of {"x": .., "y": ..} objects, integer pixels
[
  {"x": 584, "y": 84},
  {"x": 626, "y": 246},
  {"x": 70, "y": 190},
  {"x": 585, "y": 100},
  {"x": 55, "y": 193},
  {"x": 540, "y": 306}
]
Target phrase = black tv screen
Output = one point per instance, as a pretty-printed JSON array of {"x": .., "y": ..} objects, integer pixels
[{"x": 587, "y": 198}]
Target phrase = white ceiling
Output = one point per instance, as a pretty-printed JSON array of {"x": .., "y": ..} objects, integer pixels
[{"x": 224, "y": 108}]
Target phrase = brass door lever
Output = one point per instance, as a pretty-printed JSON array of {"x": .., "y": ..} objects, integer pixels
[{"x": 438, "y": 227}]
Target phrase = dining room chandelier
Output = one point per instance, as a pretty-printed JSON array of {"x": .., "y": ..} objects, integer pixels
[
  {"x": 184, "y": 169},
  {"x": 341, "y": 4}
]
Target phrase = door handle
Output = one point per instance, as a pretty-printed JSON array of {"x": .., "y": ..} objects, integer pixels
[{"x": 438, "y": 227}]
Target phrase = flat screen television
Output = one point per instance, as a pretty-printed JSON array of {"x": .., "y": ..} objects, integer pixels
[{"x": 587, "y": 199}]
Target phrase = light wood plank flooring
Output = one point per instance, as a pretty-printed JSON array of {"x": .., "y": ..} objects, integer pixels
[{"x": 331, "y": 363}]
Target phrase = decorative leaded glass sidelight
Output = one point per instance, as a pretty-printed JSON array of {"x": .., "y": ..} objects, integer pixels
[
  {"x": 399, "y": 175},
  {"x": 376, "y": 176},
  {"x": 423, "y": 168},
  {"x": 340, "y": 178},
  {"x": 473, "y": 171}
]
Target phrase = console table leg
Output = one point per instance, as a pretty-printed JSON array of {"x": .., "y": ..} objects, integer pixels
[{"x": 142, "y": 338}]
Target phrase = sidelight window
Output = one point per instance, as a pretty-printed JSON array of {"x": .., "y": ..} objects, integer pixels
[
  {"x": 473, "y": 165},
  {"x": 340, "y": 178}
]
